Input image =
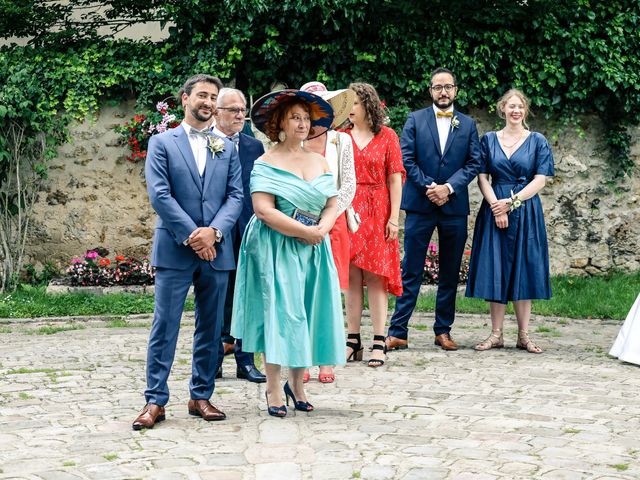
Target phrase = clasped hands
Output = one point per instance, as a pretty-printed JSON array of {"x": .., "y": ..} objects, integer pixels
[
  {"x": 438, "y": 194},
  {"x": 314, "y": 235},
  {"x": 500, "y": 209},
  {"x": 202, "y": 240}
]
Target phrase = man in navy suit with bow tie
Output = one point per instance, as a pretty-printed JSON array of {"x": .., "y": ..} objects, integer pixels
[
  {"x": 441, "y": 154},
  {"x": 230, "y": 115},
  {"x": 195, "y": 186}
]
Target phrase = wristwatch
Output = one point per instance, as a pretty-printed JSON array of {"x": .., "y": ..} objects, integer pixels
[{"x": 218, "y": 235}]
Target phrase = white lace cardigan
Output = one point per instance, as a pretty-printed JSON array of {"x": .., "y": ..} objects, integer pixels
[{"x": 344, "y": 171}]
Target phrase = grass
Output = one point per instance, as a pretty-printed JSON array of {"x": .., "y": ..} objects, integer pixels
[
  {"x": 110, "y": 456},
  {"x": 621, "y": 467},
  {"x": 608, "y": 297},
  {"x": 52, "y": 329}
]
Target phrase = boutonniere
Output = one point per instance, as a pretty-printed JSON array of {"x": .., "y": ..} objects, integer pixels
[
  {"x": 455, "y": 122},
  {"x": 215, "y": 145},
  {"x": 334, "y": 140}
]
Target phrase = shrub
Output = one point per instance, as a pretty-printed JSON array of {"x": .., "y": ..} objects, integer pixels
[
  {"x": 432, "y": 266},
  {"x": 94, "y": 269}
]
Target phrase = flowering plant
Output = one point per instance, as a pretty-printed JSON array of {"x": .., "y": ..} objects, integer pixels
[
  {"x": 432, "y": 266},
  {"x": 455, "y": 122},
  {"x": 95, "y": 269},
  {"x": 138, "y": 130},
  {"x": 215, "y": 144}
]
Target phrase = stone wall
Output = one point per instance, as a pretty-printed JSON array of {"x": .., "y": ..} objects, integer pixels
[{"x": 96, "y": 197}]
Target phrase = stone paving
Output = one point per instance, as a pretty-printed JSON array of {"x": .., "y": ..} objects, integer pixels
[{"x": 68, "y": 398}]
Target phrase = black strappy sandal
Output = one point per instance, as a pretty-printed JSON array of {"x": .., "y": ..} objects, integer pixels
[
  {"x": 377, "y": 362},
  {"x": 356, "y": 347}
]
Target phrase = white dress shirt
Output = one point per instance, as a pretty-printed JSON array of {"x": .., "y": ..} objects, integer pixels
[
  {"x": 198, "y": 147},
  {"x": 444, "y": 128}
]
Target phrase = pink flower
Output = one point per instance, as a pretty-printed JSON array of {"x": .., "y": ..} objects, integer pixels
[
  {"x": 92, "y": 255},
  {"x": 76, "y": 260}
]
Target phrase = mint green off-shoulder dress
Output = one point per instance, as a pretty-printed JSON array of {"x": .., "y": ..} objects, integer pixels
[{"x": 287, "y": 296}]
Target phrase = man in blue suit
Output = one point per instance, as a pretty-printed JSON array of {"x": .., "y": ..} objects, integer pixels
[
  {"x": 195, "y": 186},
  {"x": 231, "y": 112},
  {"x": 441, "y": 153}
]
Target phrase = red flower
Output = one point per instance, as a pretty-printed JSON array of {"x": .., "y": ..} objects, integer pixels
[
  {"x": 141, "y": 117},
  {"x": 120, "y": 258},
  {"x": 104, "y": 262}
]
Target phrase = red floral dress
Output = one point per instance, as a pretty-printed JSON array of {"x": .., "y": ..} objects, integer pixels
[{"x": 370, "y": 251}]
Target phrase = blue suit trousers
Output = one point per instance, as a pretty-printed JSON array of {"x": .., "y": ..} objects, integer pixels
[
  {"x": 452, "y": 236},
  {"x": 171, "y": 288}
]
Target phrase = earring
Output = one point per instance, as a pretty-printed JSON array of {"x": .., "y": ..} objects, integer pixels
[{"x": 282, "y": 136}]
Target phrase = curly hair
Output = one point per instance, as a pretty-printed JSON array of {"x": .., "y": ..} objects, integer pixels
[
  {"x": 503, "y": 102},
  {"x": 370, "y": 101},
  {"x": 272, "y": 127}
]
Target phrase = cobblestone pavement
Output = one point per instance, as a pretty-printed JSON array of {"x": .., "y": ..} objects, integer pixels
[{"x": 68, "y": 398}]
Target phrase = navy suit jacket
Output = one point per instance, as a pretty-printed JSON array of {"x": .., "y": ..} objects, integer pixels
[
  {"x": 458, "y": 165},
  {"x": 185, "y": 201},
  {"x": 250, "y": 149}
]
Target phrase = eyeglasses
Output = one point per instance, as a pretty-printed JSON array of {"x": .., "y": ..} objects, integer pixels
[
  {"x": 235, "y": 110},
  {"x": 438, "y": 88}
]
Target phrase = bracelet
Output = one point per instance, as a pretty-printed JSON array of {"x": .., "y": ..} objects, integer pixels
[{"x": 394, "y": 224}]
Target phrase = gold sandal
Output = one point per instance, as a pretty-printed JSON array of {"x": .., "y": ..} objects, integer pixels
[
  {"x": 525, "y": 343},
  {"x": 494, "y": 340}
]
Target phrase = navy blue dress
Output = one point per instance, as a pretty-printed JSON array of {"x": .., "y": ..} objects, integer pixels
[{"x": 511, "y": 263}]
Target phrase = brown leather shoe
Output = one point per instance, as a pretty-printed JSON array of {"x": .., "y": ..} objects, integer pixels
[
  {"x": 445, "y": 341},
  {"x": 149, "y": 416},
  {"x": 229, "y": 348},
  {"x": 395, "y": 343},
  {"x": 204, "y": 409}
]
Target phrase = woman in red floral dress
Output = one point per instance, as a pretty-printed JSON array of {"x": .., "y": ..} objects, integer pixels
[{"x": 374, "y": 249}]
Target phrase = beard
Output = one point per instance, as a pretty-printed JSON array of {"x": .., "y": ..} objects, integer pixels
[
  {"x": 443, "y": 103},
  {"x": 200, "y": 117}
]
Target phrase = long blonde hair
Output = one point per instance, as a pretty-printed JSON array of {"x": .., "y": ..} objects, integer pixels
[{"x": 503, "y": 102}]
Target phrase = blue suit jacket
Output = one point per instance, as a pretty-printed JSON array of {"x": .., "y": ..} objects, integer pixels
[
  {"x": 184, "y": 201},
  {"x": 458, "y": 165}
]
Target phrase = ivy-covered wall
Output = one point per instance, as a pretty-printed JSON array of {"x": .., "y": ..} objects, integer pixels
[{"x": 576, "y": 59}]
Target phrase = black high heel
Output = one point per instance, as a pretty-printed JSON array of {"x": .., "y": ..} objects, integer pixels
[
  {"x": 356, "y": 347},
  {"x": 377, "y": 362},
  {"x": 279, "y": 412},
  {"x": 298, "y": 405}
]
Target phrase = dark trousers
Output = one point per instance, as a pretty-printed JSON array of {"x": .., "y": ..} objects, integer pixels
[
  {"x": 452, "y": 236},
  {"x": 171, "y": 288},
  {"x": 242, "y": 358}
]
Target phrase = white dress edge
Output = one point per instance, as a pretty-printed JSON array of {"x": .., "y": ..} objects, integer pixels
[{"x": 627, "y": 344}]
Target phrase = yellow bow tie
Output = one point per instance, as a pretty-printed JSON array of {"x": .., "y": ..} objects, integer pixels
[{"x": 444, "y": 114}]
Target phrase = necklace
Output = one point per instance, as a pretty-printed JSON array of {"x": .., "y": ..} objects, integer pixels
[{"x": 514, "y": 143}]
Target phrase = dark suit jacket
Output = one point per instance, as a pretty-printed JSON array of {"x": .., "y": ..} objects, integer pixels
[
  {"x": 458, "y": 165},
  {"x": 184, "y": 201},
  {"x": 249, "y": 149}
]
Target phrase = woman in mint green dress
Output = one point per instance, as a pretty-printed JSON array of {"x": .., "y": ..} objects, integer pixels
[{"x": 287, "y": 296}]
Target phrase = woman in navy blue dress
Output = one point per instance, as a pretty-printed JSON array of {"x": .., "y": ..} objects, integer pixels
[{"x": 510, "y": 255}]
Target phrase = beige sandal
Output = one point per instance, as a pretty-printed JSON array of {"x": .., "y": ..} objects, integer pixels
[
  {"x": 494, "y": 340},
  {"x": 525, "y": 343}
]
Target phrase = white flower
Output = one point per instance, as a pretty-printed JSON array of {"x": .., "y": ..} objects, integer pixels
[
  {"x": 455, "y": 122},
  {"x": 215, "y": 145}
]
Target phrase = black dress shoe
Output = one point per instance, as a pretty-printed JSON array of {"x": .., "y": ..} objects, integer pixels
[
  {"x": 251, "y": 373},
  {"x": 219, "y": 373}
]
